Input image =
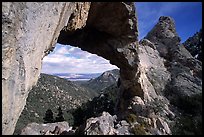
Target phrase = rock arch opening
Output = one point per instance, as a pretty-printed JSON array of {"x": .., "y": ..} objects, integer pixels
[
  {"x": 112, "y": 37},
  {"x": 72, "y": 63}
]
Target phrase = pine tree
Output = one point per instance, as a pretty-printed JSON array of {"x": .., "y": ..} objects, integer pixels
[
  {"x": 59, "y": 117},
  {"x": 48, "y": 116}
]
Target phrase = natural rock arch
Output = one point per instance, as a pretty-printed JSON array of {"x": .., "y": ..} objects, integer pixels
[
  {"x": 30, "y": 31},
  {"x": 112, "y": 37}
]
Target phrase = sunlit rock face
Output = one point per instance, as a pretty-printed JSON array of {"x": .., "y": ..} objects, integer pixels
[
  {"x": 186, "y": 71},
  {"x": 29, "y": 31},
  {"x": 174, "y": 76}
]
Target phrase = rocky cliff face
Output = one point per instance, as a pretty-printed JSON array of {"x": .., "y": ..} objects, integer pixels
[
  {"x": 30, "y": 31},
  {"x": 175, "y": 77},
  {"x": 194, "y": 45},
  {"x": 156, "y": 74},
  {"x": 184, "y": 69}
]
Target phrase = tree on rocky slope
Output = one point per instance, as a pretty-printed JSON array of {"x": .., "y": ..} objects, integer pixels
[
  {"x": 48, "y": 116},
  {"x": 60, "y": 116}
]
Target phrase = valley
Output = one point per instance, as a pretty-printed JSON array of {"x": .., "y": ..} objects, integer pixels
[{"x": 52, "y": 92}]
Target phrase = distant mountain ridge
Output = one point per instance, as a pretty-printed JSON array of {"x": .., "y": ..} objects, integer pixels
[
  {"x": 77, "y": 76},
  {"x": 105, "y": 80}
]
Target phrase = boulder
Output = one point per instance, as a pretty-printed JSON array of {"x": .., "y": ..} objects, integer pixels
[
  {"x": 138, "y": 105},
  {"x": 46, "y": 129},
  {"x": 163, "y": 126},
  {"x": 103, "y": 125},
  {"x": 123, "y": 128}
]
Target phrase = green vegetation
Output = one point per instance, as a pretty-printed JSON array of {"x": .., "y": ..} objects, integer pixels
[
  {"x": 190, "y": 104},
  {"x": 188, "y": 125},
  {"x": 105, "y": 102},
  {"x": 131, "y": 118},
  {"x": 74, "y": 102},
  {"x": 60, "y": 116},
  {"x": 48, "y": 116},
  {"x": 52, "y": 92},
  {"x": 139, "y": 129}
]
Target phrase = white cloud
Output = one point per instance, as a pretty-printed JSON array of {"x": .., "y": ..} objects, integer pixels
[
  {"x": 67, "y": 59},
  {"x": 72, "y": 49},
  {"x": 62, "y": 50}
]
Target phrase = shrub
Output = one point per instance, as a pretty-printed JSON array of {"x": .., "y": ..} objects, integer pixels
[
  {"x": 139, "y": 130},
  {"x": 60, "y": 116},
  {"x": 131, "y": 118},
  {"x": 48, "y": 116}
]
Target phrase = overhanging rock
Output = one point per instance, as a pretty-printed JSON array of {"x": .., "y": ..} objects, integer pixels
[{"x": 31, "y": 30}]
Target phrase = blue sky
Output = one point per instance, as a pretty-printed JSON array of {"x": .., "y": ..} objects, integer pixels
[
  {"x": 67, "y": 59},
  {"x": 187, "y": 16}
]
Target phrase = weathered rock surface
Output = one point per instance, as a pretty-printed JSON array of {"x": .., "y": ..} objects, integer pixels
[
  {"x": 158, "y": 71},
  {"x": 122, "y": 128},
  {"x": 46, "y": 129},
  {"x": 186, "y": 77},
  {"x": 178, "y": 79},
  {"x": 168, "y": 77},
  {"x": 111, "y": 125},
  {"x": 103, "y": 125},
  {"x": 115, "y": 41},
  {"x": 137, "y": 105},
  {"x": 162, "y": 125},
  {"x": 154, "y": 74},
  {"x": 31, "y": 30},
  {"x": 106, "y": 125}
]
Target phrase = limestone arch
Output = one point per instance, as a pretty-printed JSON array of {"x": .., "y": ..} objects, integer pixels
[
  {"x": 30, "y": 30},
  {"x": 112, "y": 37}
]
